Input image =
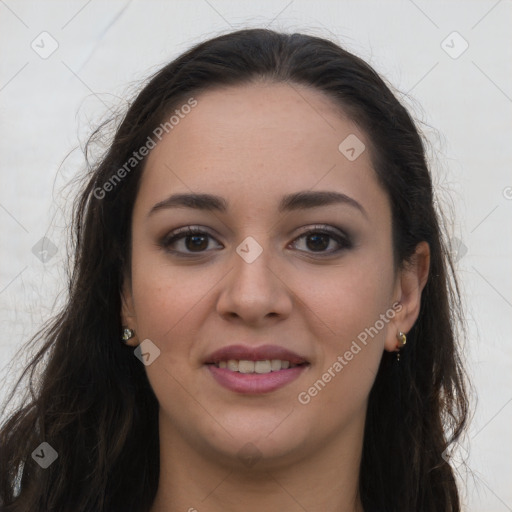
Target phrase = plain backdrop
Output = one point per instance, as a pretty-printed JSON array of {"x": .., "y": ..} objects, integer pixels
[{"x": 66, "y": 65}]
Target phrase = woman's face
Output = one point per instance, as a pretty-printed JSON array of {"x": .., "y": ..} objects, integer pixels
[{"x": 253, "y": 278}]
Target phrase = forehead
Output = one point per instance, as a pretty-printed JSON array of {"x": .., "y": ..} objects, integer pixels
[{"x": 256, "y": 142}]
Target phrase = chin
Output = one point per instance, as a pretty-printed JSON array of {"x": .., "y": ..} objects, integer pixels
[
  {"x": 270, "y": 443},
  {"x": 260, "y": 454}
]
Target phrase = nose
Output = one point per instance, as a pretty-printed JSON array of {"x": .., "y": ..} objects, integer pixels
[{"x": 255, "y": 291}]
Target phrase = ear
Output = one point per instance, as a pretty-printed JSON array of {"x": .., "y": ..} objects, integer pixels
[
  {"x": 128, "y": 317},
  {"x": 408, "y": 289}
]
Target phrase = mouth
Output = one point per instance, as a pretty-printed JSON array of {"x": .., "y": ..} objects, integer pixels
[
  {"x": 260, "y": 367},
  {"x": 253, "y": 370},
  {"x": 263, "y": 355}
]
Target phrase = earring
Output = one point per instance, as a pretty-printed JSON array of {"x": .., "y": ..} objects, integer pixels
[
  {"x": 402, "y": 340},
  {"x": 128, "y": 334}
]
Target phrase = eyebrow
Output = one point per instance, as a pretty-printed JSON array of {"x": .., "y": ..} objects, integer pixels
[{"x": 292, "y": 202}]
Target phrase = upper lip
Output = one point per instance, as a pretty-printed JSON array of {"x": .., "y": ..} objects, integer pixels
[{"x": 260, "y": 353}]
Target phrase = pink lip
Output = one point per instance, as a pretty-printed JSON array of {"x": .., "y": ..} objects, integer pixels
[
  {"x": 254, "y": 383},
  {"x": 254, "y": 354}
]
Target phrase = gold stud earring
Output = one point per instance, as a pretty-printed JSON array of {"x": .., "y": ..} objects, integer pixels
[{"x": 402, "y": 340}]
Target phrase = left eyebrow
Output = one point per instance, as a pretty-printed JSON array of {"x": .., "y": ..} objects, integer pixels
[{"x": 298, "y": 201}]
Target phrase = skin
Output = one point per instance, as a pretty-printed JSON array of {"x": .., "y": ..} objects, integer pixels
[{"x": 252, "y": 144}]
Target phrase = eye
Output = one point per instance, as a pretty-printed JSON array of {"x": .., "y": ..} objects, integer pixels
[
  {"x": 317, "y": 239},
  {"x": 196, "y": 240}
]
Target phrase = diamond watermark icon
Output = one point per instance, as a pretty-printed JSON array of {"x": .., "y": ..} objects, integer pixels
[
  {"x": 249, "y": 454},
  {"x": 45, "y": 250},
  {"x": 454, "y": 45},
  {"x": 249, "y": 249},
  {"x": 147, "y": 352},
  {"x": 44, "y": 45},
  {"x": 351, "y": 147},
  {"x": 44, "y": 455},
  {"x": 457, "y": 248},
  {"x": 455, "y": 455}
]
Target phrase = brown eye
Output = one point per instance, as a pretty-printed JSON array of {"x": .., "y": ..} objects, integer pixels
[
  {"x": 318, "y": 240},
  {"x": 195, "y": 241}
]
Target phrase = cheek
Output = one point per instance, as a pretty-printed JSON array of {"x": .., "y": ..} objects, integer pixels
[
  {"x": 352, "y": 313},
  {"x": 351, "y": 296},
  {"x": 348, "y": 354},
  {"x": 169, "y": 302},
  {"x": 164, "y": 294}
]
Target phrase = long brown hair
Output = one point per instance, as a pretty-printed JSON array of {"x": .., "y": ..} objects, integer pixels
[{"x": 93, "y": 403}]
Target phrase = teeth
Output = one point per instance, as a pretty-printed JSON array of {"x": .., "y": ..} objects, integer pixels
[
  {"x": 245, "y": 366},
  {"x": 263, "y": 366},
  {"x": 275, "y": 365},
  {"x": 232, "y": 365}
]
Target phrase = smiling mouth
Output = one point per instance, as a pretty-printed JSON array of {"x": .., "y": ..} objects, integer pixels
[
  {"x": 259, "y": 367},
  {"x": 244, "y": 376}
]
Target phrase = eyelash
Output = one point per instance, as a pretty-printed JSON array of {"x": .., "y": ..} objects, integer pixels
[{"x": 343, "y": 240}]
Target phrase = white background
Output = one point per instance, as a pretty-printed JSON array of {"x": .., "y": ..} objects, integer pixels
[{"x": 49, "y": 106}]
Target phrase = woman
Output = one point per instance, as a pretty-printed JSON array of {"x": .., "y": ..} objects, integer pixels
[{"x": 213, "y": 355}]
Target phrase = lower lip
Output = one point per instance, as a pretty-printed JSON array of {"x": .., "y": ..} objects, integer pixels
[{"x": 255, "y": 383}]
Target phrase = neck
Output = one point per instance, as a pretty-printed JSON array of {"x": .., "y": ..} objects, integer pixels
[{"x": 195, "y": 481}]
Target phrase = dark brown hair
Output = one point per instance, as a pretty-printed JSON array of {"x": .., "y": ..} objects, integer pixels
[{"x": 92, "y": 401}]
